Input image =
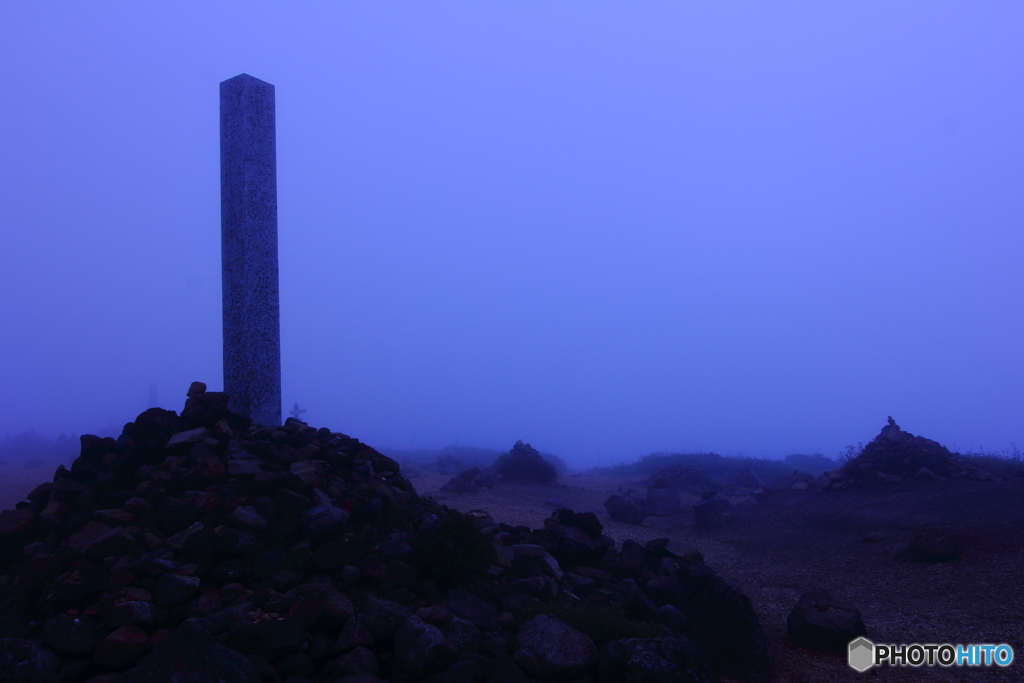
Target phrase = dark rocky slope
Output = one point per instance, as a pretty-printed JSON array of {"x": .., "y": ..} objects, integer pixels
[{"x": 198, "y": 547}]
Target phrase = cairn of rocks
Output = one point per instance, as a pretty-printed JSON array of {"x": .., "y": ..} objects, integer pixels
[
  {"x": 202, "y": 547},
  {"x": 895, "y": 455}
]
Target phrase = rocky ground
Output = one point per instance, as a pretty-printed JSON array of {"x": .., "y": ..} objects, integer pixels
[
  {"x": 847, "y": 542},
  {"x": 201, "y": 546}
]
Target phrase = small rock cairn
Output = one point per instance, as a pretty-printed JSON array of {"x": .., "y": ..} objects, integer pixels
[
  {"x": 895, "y": 455},
  {"x": 201, "y": 547}
]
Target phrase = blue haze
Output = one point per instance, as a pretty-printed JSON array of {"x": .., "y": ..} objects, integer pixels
[{"x": 606, "y": 229}]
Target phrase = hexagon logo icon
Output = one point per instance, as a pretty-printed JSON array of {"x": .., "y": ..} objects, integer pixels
[{"x": 861, "y": 654}]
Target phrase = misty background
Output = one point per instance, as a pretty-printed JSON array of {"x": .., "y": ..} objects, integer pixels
[{"x": 605, "y": 229}]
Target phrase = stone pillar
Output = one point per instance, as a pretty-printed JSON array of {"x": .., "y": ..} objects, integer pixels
[{"x": 248, "y": 195}]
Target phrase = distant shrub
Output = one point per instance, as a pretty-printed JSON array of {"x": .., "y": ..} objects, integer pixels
[
  {"x": 714, "y": 465},
  {"x": 524, "y": 464},
  {"x": 447, "y": 464},
  {"x": 453, "y": 552},
  {"x": 815, "y": 464},
  {"x": 556, "y": 462},
  {"x": 601, "y": 623},
  {"x": 1006, "y": 464}
]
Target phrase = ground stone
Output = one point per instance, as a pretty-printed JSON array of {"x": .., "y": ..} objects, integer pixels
[
  {"x": 551, "y": 650},
  {"x": 820, "y": 621},
  {"x": 189, "y": 655},
  {"x": 421, "y": 650},
  {"x": 628, "y": 509}
]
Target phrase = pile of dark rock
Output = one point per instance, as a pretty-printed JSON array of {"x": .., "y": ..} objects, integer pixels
[
  {"x": 200, "y": 547},
  {"x": 523, "y": 464},
  {"x": 895, "y": 455},
  {"x": 472, "y": 480}
]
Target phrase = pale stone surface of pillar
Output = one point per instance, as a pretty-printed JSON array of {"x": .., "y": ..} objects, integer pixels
[{"x": 251, "y": 315}]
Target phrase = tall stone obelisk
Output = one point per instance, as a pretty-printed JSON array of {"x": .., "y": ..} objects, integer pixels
[{"x": 248, "y": 196}]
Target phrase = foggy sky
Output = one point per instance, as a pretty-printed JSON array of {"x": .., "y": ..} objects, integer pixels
[{"x": 605, "y": 229}]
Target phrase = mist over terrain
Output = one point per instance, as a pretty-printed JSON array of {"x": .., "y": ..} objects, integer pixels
[{"x": 606, "y": 231}]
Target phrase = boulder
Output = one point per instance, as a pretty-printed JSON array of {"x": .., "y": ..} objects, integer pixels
[
  {"x": 628, "y": 509},
  {"x": 930, "y": 544},
  {"x": 551, "y": 650},
  {"x": 708, "y": 514},
  {"x": 421, "y": 650},
  {"x": 723, "y": 623},
  {"x": 821, "y": 622}
]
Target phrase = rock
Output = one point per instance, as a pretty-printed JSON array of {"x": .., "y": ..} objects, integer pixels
[
  {"x": 283, "y": 636},
  {"x": 23, "y": 661},
  {"x": 243, "y": 468},
  {"x": 421, "y": 650},
  {"x": 130, "y": 613},
  {"x": 551, "y": 650},
  {"x": 748, "y": 478},
  {"x": 471, "y": 481},
  {"x": 246, "y": 517},
  {"x": 467, "y": 606},
  {"x": 358, "y": 661},
  {"x": 723, "y": 623},
  {"x": 925, "y": 474},
  {"x": 930, "y": 544},
  {"x": 573, "y": 545},
  {"x": 335, "y": 610},
  {"x": 663, "y": 501},
  {"x": 980, "y": 474},
  {"x": 323, "y": 521},
  {"x": 68, "y": 636},
  {"x": 353, "y": 635},
  {"x": 116, "y": 542},
  {"x": 636, "y": 660},
  {"x": 173, "y": 589},
  {"x": 189, "y": 436},
  {"x": 190, "y": 655},
  {"x": 122, "y": 648},
  {"x": 821, "y": 622},
  {"x": 196, "y": 388},
  {"x": 628, "y": 509},
  {"x": 463, "y": 635},
  {"x": 708, "y": 514},
  {"x": 381, "y": 617}
]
